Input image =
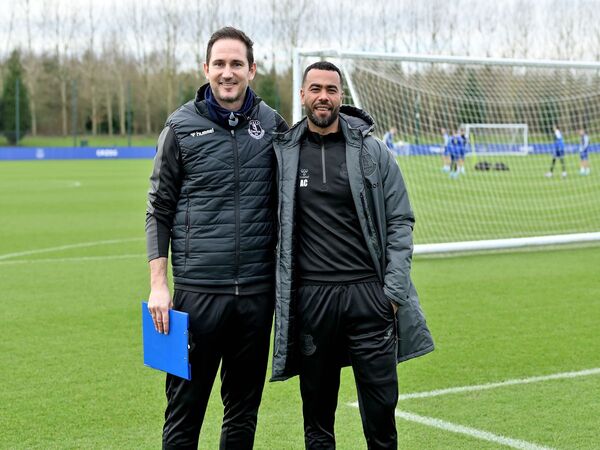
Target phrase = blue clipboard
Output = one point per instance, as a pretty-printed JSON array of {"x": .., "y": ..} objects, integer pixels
[{"x": 167, "y": 352}]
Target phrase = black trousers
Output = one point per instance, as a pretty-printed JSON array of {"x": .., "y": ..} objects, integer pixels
[
  {"x": 337, "y": 322},
  {"x": 231, "y": 330}
]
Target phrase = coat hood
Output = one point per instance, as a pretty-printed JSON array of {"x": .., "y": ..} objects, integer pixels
[{"x": 358, "y": 119}]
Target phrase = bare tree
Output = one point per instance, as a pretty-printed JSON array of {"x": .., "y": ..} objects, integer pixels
[
  {"x": 203, "y": 22},
  {"x": 172, "y": 19},
  {"x": 592, "y": 31},
  {"x": 90, "y": 65},
  {"x": 563, "y": 19},
  {"x": 435, "y": 19},
  {"x": 64, "y": 31},
  {"x": 108, "y": 99},
  {"x": 141, "y": 24},
  {"x": 517, "y": 30},
  {"x": 410, "y": 26},
  {"x": 11, "y": 22},
  {"x": 112, "y": 55},
  {"x": 32, "y": 68},
  {"x": 289, "y": 15},
  {"x": 465, "y": 26},
  {"x": 487, "y": 20}
]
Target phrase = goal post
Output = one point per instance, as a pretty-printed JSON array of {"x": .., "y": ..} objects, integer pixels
[
  {"x": 512, "y": 115},
  {"x": 494, "y": 139}
]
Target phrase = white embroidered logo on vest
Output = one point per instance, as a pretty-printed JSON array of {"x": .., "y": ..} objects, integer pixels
[
  {"x": 255, "y": 130},
  {"x": 304, "y": 177},
  {"x": 202, "y": 132}
]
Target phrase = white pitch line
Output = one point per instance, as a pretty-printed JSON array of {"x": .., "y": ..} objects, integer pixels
[
  {"x": 472, "y": 432},
  {"x": 469, "y": 431},
  {"x": 67, "y": 247},
  {"x": 73, "y": 259},
  {"x": 482, "y": 387}
]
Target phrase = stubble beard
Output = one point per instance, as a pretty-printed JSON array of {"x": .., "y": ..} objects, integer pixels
[
  {"x": 323, "y": 122},
  {"x": 231, "y": 98}
]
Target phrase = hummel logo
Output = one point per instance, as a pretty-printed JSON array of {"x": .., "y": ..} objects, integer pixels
[
  {"x": 304, "y": 177},
  {"x": 388, "y": 334},
  {"x": 202, "y": 132}
]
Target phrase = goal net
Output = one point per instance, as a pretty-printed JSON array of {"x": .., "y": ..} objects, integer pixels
[{"x": 476, "y": 139}]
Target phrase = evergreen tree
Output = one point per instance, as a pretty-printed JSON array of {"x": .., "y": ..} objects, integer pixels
[
  {"x": 472, "y": 108},
  {"x": 14, "y": 72},
  {"x": 266, "y": 88}
]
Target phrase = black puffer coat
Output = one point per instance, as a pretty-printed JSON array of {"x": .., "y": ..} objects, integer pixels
[{"x": 216, "y": 196}]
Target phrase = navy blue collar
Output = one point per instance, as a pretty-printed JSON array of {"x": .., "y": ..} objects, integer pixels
[{"x": 224, "y": 116}]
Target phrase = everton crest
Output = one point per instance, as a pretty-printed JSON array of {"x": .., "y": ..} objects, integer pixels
[{"x": 255, "y": 130}]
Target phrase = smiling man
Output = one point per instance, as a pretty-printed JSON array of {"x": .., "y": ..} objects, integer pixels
[
  {"x": 211, "y": 200},
  {"x": 344, "y": 293}
]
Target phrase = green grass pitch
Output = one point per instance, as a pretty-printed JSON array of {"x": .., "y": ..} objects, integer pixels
[
  {"x": 516, "y": 203},
  {"x": 73, "y": 273}
]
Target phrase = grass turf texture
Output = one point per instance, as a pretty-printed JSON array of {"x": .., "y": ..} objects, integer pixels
[
  {"x": 516, "y": 203},
  {"x": 71, "y": 355}
]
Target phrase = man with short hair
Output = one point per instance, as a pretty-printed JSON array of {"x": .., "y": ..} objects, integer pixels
[
  {"x": 445, "y": 150},
  {"x": 211, "y": 199},
  {"x": 584, "y": 157},
  {"x": 558, "y": 153},
  {"x": 462, "y": 149},
  {"x": 344, "y": 293},
  {"x": 388, "y": 140}
]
